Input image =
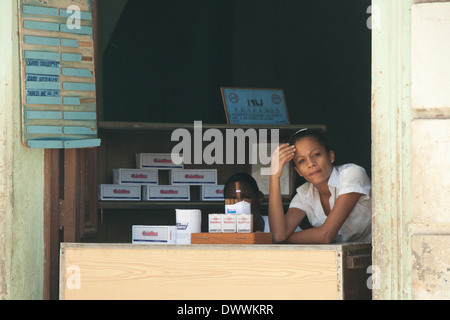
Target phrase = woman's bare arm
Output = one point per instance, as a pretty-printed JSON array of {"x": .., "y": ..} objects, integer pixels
[{"x": 336, "y": 218}]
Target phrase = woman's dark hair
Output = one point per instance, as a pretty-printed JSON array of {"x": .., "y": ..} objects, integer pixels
[
  {"x": 242, "y": 177},
  {"x": 309, "y": 133}
]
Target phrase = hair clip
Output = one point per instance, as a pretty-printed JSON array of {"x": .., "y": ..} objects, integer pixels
[{"x": 298, "y": 131}]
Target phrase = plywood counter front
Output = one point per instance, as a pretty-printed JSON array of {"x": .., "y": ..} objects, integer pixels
[{"x": 212, "y": 272}]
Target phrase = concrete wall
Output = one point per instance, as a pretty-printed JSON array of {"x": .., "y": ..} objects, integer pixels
[
  {"x": 410, "y": 149},
  {"x": 430, "y": 150},
  {"x": 21, "y": 178}
]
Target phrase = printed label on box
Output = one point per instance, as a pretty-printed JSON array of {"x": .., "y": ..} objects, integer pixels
[
  {"x": 138, "y": 176},
  {"x": 195, "y": 177},
  {"x": 212, "y": 193},
  {"x": 244, "y": 223},
  {"x": 168, "y": 192},
  {"x": 229, "y": 223},
  {"x": 119, "y": 192},
  {"x": 154, "y": 234},
  {"x": 156, "y": 161},
  {"x": 215, "y": 222}
]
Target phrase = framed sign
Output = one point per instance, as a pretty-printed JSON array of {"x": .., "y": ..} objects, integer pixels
[
  {"x": 254, "y": 106},
  {"x": 57, "y": 74}
]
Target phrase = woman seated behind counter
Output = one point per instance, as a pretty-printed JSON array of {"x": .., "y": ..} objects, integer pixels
[{"x": 336, "y": 199}]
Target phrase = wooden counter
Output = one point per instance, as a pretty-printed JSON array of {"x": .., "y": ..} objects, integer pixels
[{"x": 212, "y": 272}]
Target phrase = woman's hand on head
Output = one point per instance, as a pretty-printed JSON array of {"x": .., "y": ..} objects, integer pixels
[{"x": 282, "y": 155}]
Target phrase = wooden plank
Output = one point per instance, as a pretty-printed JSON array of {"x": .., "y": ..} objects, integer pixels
[
  {"x": 71, "y": 101},
  {"x": 43, "y": 85},
  {"x": 84, "y": 143},
  {"x": 78, "y": 86},
  {"x": 44, "y": 100},
  {"x": 49, "y": 115},
  {"x": 79, "y": 130},
  {"x": 73, "y": 57},
  {"x": 72, "y": 43},
  {"x": 198, "y": 272},
  {"x": 45, "y": 144},
  {"x": 79, "y": 115},
  {"x": 44, "y": 129},
  {"x": 231, "y": 238},
  {"x": 52, "y": 224},
  {"x": 77, "y": 30},
  {"x": 41, "y": 55},
  {"x": 44, "y": 41},
  {"x": 77, "y": 72},
  {"x": 38, "y": 25},
  {"x": 359, "y": 261},
  {"x": 40, "y": 10},
  {"x": 155, "y": 126},
  {"x": 84, "y": 15},
  {"x": 42, "y": 70}
]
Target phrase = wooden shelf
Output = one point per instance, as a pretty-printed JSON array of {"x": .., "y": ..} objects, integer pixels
[
  {"x": 160, "y": 127},
  {"x": 155, "y": 205}
]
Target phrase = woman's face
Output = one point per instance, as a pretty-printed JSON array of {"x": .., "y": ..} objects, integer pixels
[{"x": 312, "y": 161}]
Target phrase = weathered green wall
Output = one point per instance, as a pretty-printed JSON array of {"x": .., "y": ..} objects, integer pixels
[{"x": 21, "y": 178}]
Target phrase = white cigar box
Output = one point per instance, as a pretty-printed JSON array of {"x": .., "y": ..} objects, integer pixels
[
  {"x": 138, "y": 176},
  {"x": 194, "y": 176},
  {"x": 229, "y": 223},
  {"x": 165, "y": 193},
  {"x": 244, "y": 223},
  {"x": 121, "y": 192},
  {"x": 215, "y": 222},
  {"x": 212, "y": 193},
  {"x": 154, "y": 234},
  {"x": 156, "y": 161}
]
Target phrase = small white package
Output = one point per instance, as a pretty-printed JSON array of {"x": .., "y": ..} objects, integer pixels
[
  {"x": 215, "y": 222},
  {"x": 154, "y": 234},
  {"x": 188, "y": 221},
  {"x": 229, "y": 223},
  {"x": 242, "y": 207},
  {"x": 244, "y": 223}
]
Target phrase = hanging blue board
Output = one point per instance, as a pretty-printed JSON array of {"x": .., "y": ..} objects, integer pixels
[{"x": 58, "y": 74}]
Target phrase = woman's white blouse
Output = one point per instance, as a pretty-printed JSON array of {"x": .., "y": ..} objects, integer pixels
[{"x": 346, "y": 178}]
